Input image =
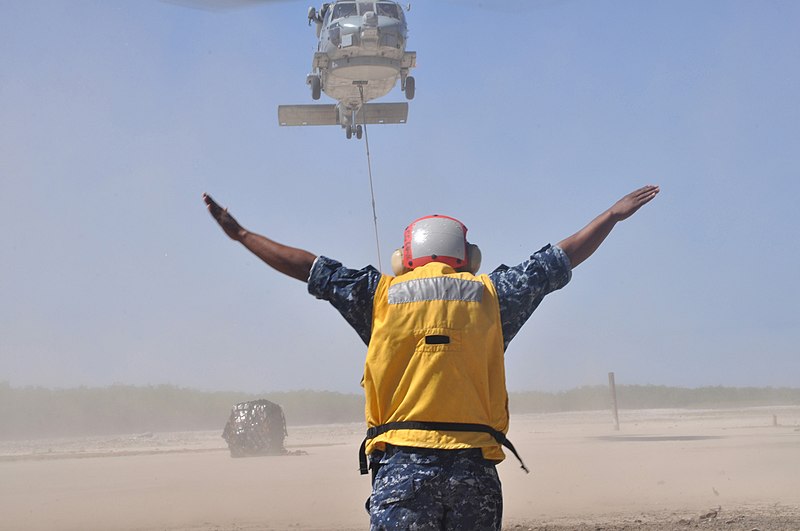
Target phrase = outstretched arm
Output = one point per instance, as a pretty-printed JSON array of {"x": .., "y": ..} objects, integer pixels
[
  {"x": 585, "y": 242},
  {"x": 288, "y": 260}
]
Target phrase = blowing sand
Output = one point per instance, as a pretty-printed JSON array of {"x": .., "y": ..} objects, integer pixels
[{"x": 664, "y": 469}]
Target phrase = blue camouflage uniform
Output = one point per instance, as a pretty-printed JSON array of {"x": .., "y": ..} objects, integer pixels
[{"x": 421, "y": 488}]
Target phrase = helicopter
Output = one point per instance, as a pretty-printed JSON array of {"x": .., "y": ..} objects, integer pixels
[
  {"x": 361, "y": 54},
  {"x": 360, "y": 57}
]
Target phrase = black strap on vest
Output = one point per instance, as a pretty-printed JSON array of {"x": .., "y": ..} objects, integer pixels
[{"x": 373, "y": 432}]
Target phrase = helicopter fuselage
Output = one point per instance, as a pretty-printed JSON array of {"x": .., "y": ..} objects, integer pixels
[{"x": 361, "y": 54}]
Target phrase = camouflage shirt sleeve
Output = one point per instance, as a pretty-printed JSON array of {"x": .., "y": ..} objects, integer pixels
[
  {"x": 521, "y": 288},
  {"x": 350, "y": 291}
]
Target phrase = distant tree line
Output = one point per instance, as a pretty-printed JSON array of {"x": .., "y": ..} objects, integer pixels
[
  {"x": 36, "y": 412},
  {"x": 33, "y": 412}
]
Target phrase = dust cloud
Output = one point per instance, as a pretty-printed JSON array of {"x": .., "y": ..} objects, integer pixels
[{"x": 664, "y": 469}]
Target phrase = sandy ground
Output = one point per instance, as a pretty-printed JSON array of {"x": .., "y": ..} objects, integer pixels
[{"x": 664, "y": 469}]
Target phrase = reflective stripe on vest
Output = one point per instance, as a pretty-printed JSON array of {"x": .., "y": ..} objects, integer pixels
[{"x": 436, "y": 289}]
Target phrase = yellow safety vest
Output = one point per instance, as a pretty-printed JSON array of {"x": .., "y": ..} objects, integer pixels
[{"x": 436, "y": 356}]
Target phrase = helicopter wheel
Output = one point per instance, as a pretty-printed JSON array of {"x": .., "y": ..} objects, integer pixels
[
  {"x": 359, "y": 131},
  {"x": 316, "y": 88},
  {"x": 410, "y": 88},
  {"x": 348, "y": 131}
]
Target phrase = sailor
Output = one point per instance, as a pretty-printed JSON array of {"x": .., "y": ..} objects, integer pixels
[{"x": 434, "y": 377}]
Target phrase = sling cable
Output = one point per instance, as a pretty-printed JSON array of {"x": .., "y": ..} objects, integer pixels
[{"x": 371, "y": 187}]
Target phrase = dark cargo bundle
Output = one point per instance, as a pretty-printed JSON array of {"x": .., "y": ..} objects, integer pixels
[{"x": 255, "y": 428}]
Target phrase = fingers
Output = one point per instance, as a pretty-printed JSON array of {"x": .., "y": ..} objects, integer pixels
[
  {"x": 209, "y": 200},
  {"x": 632, "y": 202},
  {"x": 645, "y": 193},
  {"x": 646, "y": 190},
  {"x": 225, "y": 220},
  {"x": 213, "y": 206},
  {"x": 650, "y": 192}
]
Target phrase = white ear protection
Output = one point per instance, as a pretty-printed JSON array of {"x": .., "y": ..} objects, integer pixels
[
  {"x": 474, "y": 257},
  {"x": 397, "y": 263}
]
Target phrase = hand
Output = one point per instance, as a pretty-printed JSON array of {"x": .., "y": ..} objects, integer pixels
[
  {"x": 225, "y": 220},
  {"x": 625, "y": 207}
]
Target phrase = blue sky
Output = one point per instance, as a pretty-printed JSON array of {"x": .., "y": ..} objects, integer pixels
[{"x": 530, "y": 118}]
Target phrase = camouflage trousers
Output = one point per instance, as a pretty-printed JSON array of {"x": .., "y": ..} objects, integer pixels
[{"x": 422, "y": 489}]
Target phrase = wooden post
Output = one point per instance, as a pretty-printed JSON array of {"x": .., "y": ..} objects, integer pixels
[{"x": 613, "y": 388}]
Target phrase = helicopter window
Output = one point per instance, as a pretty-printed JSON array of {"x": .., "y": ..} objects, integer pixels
[
  {"x": 364, "y": 7},
  {"x": 344, "y": 9},
  {"x": 386, "y": 9}
]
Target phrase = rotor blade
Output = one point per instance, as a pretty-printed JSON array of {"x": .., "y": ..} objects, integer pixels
[
  {"x": 507, "y": 6},
  {"x": 221, "y": 5}
]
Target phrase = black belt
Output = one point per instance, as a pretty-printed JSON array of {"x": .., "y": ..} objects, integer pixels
[{"x": 373, "y": 432}]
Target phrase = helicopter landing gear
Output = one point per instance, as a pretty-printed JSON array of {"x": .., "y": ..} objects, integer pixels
[
  {"x": 316, "y": 87},
  {"x": 409, "y": 87},
  {"x": 356, "y": 130}
]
